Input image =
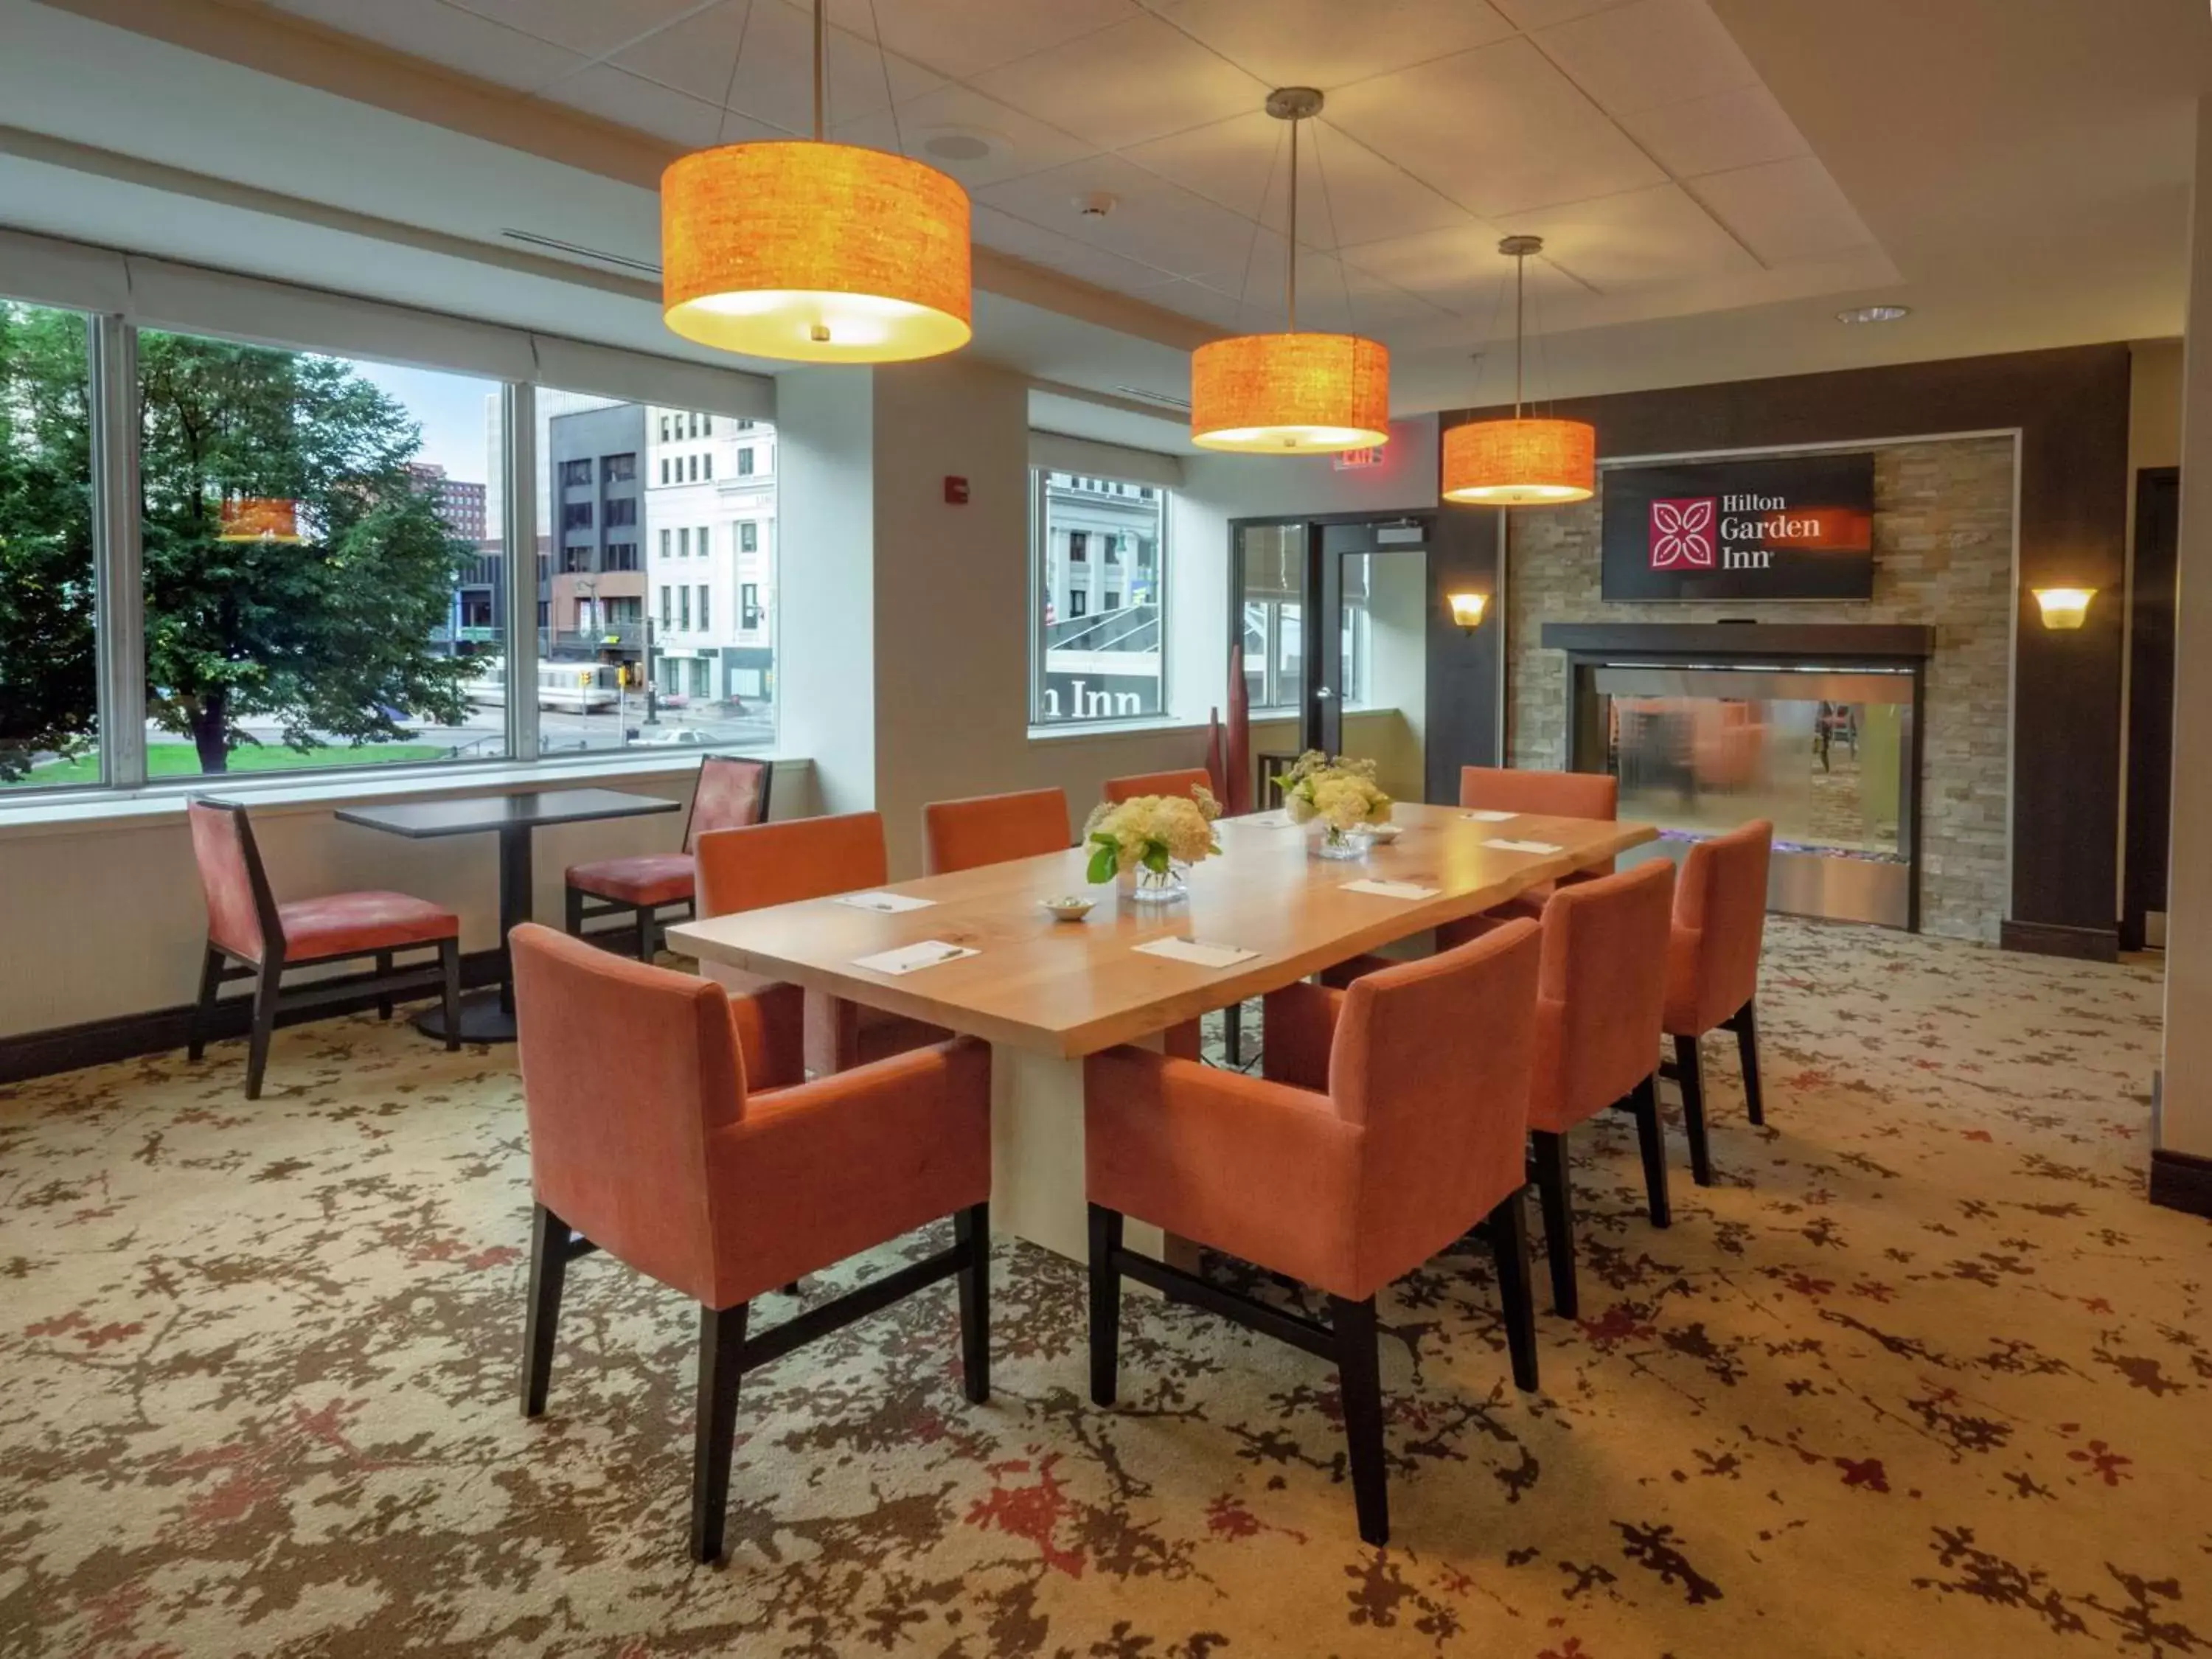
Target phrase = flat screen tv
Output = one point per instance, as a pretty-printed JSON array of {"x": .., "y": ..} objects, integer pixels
[{"x": 1788, "y": 527}]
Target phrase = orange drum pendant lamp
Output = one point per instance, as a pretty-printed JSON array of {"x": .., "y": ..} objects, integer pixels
[
  {"x": 1290, "y": 394},
  {"x": 258, "y": 519},
  {"x": 1522, "y": 462},
  {"x": 814, "y": 252}
]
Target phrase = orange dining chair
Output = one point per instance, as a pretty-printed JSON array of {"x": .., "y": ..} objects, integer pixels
[
  {"x": 1416, "y": 1134},
  {"x": 248, "y": 927},
  {"x": 730, "y": 791},
  {"x": 766, "y": 863},
  {"x": 1598, "y": 1004},
  {"x": 1184, "y": 782},
  {"x": 965, "y": 834},
  {"x": 1540, "y": 794},
  {"x": 669, "y": 1129},
  {"x": 1713, "y": 969}
]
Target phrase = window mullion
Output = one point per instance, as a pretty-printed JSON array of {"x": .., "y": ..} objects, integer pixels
[
  {"x": 118, "y": 569},
  {"x": 520, "y": 481}
]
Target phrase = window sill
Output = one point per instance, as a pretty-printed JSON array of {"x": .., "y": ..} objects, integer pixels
[
  {"x": 1101, "y": 731},
  {"x": 159, "y": 804}
]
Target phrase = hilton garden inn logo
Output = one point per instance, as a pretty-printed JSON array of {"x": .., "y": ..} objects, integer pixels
[{"x": 1708, "y": 531}]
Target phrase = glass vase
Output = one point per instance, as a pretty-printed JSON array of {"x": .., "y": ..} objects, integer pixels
[
  {"x": 1337, "y": 843},
  {"x": 1156, "y": 886}
]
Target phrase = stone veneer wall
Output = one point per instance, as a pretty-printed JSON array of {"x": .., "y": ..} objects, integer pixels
[{"x": 1942, "y": 544}]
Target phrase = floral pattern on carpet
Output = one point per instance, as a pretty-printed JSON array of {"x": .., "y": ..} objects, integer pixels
[{"x": 1924, "y": 1375}]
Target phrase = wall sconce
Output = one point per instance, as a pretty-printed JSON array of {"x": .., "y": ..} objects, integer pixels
[
  {"x": 2064, "y": 608},
  {"x": 1467, "y": 609}
]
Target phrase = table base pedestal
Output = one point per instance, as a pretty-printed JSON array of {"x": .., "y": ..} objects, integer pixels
[{"x": 483, "y": 1020}]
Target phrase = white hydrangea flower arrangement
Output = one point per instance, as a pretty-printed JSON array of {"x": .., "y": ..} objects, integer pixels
[
  {"x": 1152, "y": 834},
  {"x": 1340, "y": 792}
]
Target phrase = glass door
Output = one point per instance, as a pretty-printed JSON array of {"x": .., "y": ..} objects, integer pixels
[{"x": 1370, "y": 697}]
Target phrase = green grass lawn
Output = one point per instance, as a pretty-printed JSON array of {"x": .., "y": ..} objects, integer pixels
[{"x": 181, "y": 760}]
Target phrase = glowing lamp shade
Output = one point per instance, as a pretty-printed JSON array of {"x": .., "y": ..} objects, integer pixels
[
  {"x": 1289, "y": 394},
  {"x": 1467, "y": 609},
  {"x": 814, "y": 252},
  {"x": 258, "y": 519},
  {"x": 1520, "y": 463},
  {"x": 2064, "y": 608}
]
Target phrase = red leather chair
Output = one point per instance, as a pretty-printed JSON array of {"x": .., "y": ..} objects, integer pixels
[
  {"x": 1713, "y": 969},
  {"x": 246, "y": 926},
  {"x": 766, "y": 863},
  {"x": 731, "y": 792},
  {"x": 965, "y": 834},
  {"x": 1184, "y": 782},
  {"x": 1417, "y": 1134},
  {"x": 668, "y": 1128},
  {"x": 1598, "y": 1003}
]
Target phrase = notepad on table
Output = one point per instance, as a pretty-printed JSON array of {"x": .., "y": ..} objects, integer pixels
[
  {"x": 1504, "y": 846},
  {"x": 909, "y": 958},
  {"x": 1396, "y": 890},
  {"x": 1197, "y": 954},
  {"x": 1489, "y": 815},
  {"x": 887, "y": 904}
]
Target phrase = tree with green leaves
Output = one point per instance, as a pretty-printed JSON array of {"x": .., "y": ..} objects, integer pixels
[{"x": 330, "y": 637}]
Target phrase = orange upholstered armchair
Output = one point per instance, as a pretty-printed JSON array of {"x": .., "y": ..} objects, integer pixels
[
  {"x": 730, "y": 791},
  {"x": 668, "y": 1129},
  {"x": 766, "y": 863},
  {"x": 965, "y": 834},
  {"x": 1184, "y": 782},
  {"x": 1541, "y": 794},
  {"x": 1416, "y": 1134},
  {"x": 1712, "y": 968},
  {"x": 250, "y": 936},
  {"x": 1598, "y": 1005}
]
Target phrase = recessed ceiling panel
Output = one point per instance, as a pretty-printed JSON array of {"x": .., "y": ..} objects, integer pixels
[
  {"x": 630, "y": 100},
  {"x": 1741, "y": 128},
  {"x": 963, "y": 38},
  {"x": 1648, "y": 53},
  {"x": 1324, "y": 43},
  {"x": 1460, "y": 270},
  {"x": 1643, "y": 237},
  {"x": 978, "y": 140},
  {"x": 445, "y": 35},
  {"x": 1543, "y": 14},
  {"x": 1785, "y": 210},
  {"x": 593, "y": 27},
  {"x": 1056, "y": 251},
  {"x": 1150, "y": 220},
  {"x": 759, "y": 58},
  {"x": 1123, "y": 85}
]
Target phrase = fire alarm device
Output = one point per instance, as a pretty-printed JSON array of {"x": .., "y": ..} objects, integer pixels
[{"x": 956, "y": 491}]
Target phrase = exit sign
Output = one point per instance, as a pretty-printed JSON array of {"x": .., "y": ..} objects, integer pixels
[{"x": 1350, "y": 460}]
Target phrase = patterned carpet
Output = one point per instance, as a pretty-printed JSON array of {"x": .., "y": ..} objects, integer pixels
[{"x": 1926, "y": 1376}]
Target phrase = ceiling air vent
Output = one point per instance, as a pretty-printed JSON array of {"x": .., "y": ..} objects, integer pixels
[
  {"x": 574, "y": 250},
  {"x": 1159, "y": 398}
]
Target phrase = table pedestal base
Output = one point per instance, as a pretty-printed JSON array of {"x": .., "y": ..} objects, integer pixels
[{"x": 483, "y": 1020}]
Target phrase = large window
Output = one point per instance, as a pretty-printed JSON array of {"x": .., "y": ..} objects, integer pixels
[
  {"x": 1098, "y": 646},
  {"x": 1271, "y": 559},
  {"x": 49, "y": 670},
  {"x": 304, "y": 573}
]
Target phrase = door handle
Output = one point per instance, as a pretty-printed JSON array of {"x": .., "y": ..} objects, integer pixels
[{"x": 1323, "y": 693}]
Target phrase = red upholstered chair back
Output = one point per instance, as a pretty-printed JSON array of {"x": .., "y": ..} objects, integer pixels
[
  {"x": 1433, "y": 1058},
  {"x": 1158, "y": 783},
  {"x": 231, "y": 878},
  {"x": 626, "y": 1070},
  {"x": 731, "y": 793},
  {"x": 1603, "y": 989},
  {"x": 1720, "y": 926},
  {"x": 1550, "y": 794},
  {"x": 966, "y": 834},
  {"x": 766, "y": 863}
]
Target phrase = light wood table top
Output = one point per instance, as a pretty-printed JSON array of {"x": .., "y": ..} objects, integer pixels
[{"x": 1071, "y": 989}]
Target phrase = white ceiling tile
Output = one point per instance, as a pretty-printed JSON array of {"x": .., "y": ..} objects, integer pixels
[
  {"x": 1648, "y": 53},
  {"x": 1236, "y": 162},
  {"x": 1737, "y": 128},
  {"x": 1646, "y": 236},
  {"x": 1017, "y": 143},
  {"x": 1317, "y": 43},
  {"x": 1153, "y": 222},
  {"x": 1332, "y": 296},
  {"x": 1460, "y": 270},
  {"x": 442, "y": 34},
  {"x": 1543, "y": 14},
  {"x": 770, "y": 45},
  {"x": 647, "y": 106},
  {"x": 591, "y": 27},
  {"x": 1498, "y": 129},
  {"x": 962, "y": 38},
  {"x": 1136, "y": 81},
  {"x": 1785, "y": 210},
  {"x": 1055, "y": 250}
]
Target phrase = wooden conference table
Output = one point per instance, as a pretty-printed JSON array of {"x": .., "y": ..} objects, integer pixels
[{"x": 1047, "y": 992}]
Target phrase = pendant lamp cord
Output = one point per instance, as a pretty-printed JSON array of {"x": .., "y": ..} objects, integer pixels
[
  {"x": 1291, "y": 255},
  {"x": 821, "y": 60},
  {"x": 1519, "y": 326}
]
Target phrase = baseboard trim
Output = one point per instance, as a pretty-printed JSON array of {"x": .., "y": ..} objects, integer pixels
[
  {"x": 2052, "y": 939},
  {"x": 130, "y": 1037},
  {"x": 2181, "y": 1181}
]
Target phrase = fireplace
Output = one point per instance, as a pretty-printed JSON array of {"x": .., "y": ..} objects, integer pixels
[{"x": 1817, "y": 728}]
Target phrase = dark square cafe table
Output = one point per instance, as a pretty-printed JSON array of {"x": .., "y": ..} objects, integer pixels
[{"x": 489, "y": 1016}]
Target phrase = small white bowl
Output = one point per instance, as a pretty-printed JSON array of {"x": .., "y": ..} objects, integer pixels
[
  {"x": 1069, "y": 906},
  {"x": 1385, "y": 832}
]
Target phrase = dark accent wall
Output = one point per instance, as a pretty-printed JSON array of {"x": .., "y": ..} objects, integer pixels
[
  {"x": 1463, "y": 668},
  {"x": 2070, "y": 408}
]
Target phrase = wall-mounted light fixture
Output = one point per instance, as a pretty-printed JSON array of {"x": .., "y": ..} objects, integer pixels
[
  {"x": 2064, "y": 608},
  {"x": 1467, "y": 609}
]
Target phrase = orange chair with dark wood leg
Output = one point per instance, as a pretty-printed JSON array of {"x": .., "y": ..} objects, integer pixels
[
  {"x": 247, "y": 927},
  {"x": 966, "y": 834},
  {"x": 1713, "y": 969},
  {"x": 1540, "y": 794},
  {"x": 668, "y": 1129},
  {"x": 1188, "y": 781},
  {"x": 731, "y": 792},
  {"x": 797, "y": 859},
  {"x": 1420, "y": 1134}
]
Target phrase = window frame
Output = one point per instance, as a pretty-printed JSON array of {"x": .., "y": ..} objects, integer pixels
[{"x": 1161, "y": 501}]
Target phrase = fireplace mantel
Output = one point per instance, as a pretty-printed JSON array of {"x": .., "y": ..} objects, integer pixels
[{"x": 1799, "y": 642}]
